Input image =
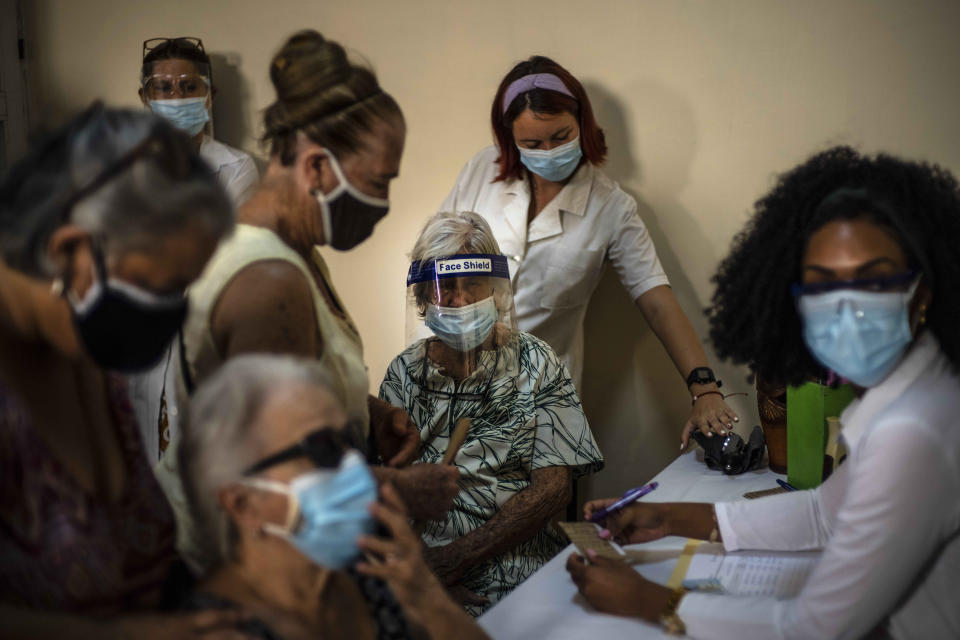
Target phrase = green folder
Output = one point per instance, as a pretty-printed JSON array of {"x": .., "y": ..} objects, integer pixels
[{"x": 808, "y": 407}]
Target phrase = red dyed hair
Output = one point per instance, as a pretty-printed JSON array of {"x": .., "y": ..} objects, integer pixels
[{"x": 592, "y": 142}]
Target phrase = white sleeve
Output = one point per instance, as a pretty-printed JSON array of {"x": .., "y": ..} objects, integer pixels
[
  {"x": 631, "y": 250},
  {"x": 452, "y": 201},
  {"x": 244, "y": 182},
  {"x": 794, "y": 521},
  {"x": 884, "y": 532}
]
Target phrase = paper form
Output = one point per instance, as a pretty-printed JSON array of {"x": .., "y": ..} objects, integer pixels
[{"x": 779, "y": 575}]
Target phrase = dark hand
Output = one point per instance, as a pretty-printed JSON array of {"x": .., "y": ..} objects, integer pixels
[
  {"x": 396, "y": 437},
  {"x": 428, "y": 490},
  {"x": 638, "y": 522},
  {"x": 212, "y": 624},
  {"x": 611, "y": 586}
]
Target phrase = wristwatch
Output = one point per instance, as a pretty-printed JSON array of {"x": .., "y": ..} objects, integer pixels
[
  {"x": 669, "y": 619},
  {"x": 702, "y": 375}
]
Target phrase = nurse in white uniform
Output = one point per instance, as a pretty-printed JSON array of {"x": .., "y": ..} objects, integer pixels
[
  {"x": 559, "y": 219},
  {"x": 176, "y": 83}
]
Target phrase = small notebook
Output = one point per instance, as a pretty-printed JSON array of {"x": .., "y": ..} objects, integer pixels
[{"x": 586, "y": 535}]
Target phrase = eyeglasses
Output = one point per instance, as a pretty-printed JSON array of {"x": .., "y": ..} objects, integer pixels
[
  {"x": 162, "y": 86},
  {"x": 899, "y": 282},
  {"x": 324, "y": 448},
  {"x": 153, "y": 43}
]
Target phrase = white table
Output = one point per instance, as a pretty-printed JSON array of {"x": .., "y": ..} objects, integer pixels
[{"x": 548, "y": 605}]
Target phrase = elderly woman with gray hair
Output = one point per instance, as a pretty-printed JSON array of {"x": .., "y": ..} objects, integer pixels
[
  {"x": 102, "y": 226},
  {"x": 493, "y": 401},
  {"x": 272, "y": 470}
]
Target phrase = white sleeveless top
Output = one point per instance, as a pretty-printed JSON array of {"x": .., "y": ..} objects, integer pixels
[
  {"x": 342, "y": 349},
  {"x": 342, "y": 354}
]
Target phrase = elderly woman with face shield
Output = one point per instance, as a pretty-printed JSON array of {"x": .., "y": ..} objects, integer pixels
[
  {"x": 288, "y": 506},
  {"x": 495, "y": 402}
]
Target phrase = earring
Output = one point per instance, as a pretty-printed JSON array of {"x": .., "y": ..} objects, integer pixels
[
  {"x": 56, "y": 289},
  {"x": 923, "y": 314}
]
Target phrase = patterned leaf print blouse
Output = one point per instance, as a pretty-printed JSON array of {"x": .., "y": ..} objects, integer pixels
[
  {"x": 62, "y": 548},
  {"x": 524, "y": 415}
]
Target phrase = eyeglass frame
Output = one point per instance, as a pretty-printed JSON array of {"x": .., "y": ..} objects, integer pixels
[
  {"x": 206, "y": 80},
  {"x": 864, "y": 284},
  {"x": 197, "y": 42}
]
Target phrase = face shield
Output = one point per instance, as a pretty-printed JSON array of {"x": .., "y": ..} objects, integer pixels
[{"x": 461, "y": 308}]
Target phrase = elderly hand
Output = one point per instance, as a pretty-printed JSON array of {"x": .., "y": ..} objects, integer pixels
[
  {"x": 710, "y": 414},
  {"x": 444, "y": 561},
  {"x": 638, "y": 522},
  {"x": 612, "y": 586},
  {"x": 398, "y": 560},
  {"x": 396, "y": 437},
  {"x": 428, "y": 490}
]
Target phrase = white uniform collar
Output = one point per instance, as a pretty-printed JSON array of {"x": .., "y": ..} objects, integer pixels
[
  {"x": 215, "y": 153},
  {"x": 571, "y": 199},
  {"x": 862, "y": 411}
]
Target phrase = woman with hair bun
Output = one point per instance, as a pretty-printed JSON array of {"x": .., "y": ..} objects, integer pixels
[
  {"x": 335, "y": 138},
  {"x": 559, "y": 220}
]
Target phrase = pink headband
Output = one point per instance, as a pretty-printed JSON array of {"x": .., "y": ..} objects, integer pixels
[{"x": 534, "y": 81}]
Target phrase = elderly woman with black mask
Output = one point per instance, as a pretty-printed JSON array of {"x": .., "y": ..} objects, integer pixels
[{"x": 102, "y": 226}]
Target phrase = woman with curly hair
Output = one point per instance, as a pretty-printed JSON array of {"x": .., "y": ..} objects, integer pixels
[{"x": 848, "y": 268}]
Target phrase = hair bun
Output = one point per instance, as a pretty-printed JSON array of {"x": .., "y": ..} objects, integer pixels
[
  {"x": 323, "y": 94},
  {"x": 307, "y": 64}
]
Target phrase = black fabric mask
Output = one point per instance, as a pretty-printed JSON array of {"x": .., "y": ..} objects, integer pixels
[
  {"x": 123, "y": 327},
  {"x": 349, "y": 215}
]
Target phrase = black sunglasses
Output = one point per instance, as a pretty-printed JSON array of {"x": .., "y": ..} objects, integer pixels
[{"x": 324, "y": 447}]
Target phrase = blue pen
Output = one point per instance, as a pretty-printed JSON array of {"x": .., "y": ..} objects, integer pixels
[
  {"x": 628, "y": 497},
  {"x": 786, "y": 485}
]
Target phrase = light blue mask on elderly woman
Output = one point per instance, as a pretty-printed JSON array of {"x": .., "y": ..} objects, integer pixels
[{"x": 329, "y": 510}]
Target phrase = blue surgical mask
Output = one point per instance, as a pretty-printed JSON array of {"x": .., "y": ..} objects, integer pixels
[
  {"x": 186, "y": 114},
  {"x": 330, "y": 510},
  {"x": 462, "y": 328},
  {"x": 555, "y": 165},
  {"x": 861, "y": 335}
]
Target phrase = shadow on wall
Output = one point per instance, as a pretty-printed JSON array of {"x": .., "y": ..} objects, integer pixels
[
  {"x": 628, "y": 376},
  {"x": 230, "y": 105}
]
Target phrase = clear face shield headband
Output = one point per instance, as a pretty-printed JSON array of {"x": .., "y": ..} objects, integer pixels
[
  {"x": 460, "y": 311},
  {"x": 460, "y": 300}
]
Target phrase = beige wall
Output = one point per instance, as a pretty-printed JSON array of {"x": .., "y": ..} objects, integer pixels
[{"x": 701, "y": 102}]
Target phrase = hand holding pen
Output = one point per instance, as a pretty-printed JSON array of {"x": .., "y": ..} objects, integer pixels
[
  {"x": 626, "y": 520},
  {"x": 631, "y": 495}
]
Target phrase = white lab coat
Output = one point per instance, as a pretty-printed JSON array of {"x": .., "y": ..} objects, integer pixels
[
  {"x": 557, "y": 259},
  {"x": 888, "y": 521}
]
